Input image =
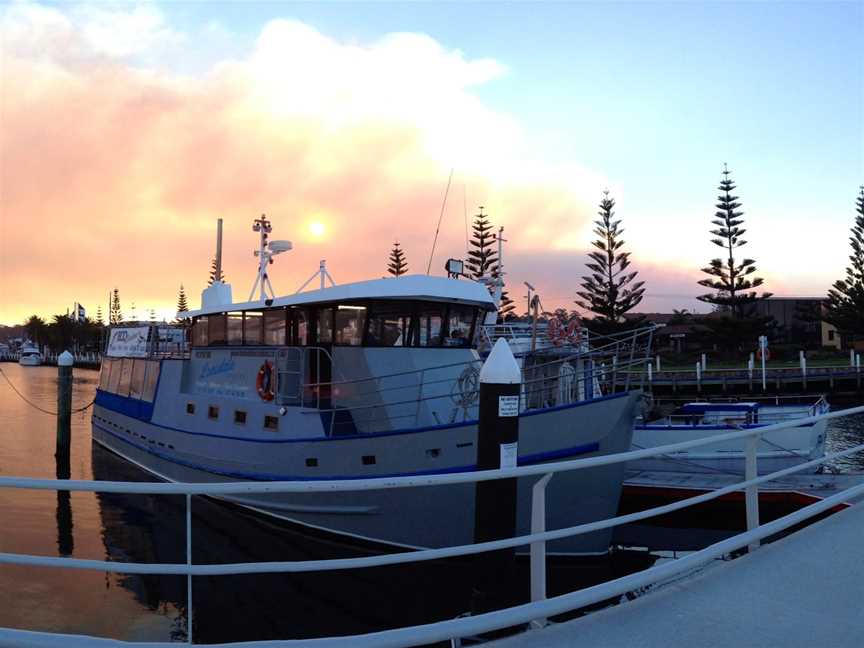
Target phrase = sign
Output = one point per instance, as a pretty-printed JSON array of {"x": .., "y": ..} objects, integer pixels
[
  {"x": 509, "y": 454},
  {"x": 763, "y": 342},
  {"x": 508, "y": 406},
  {"x": 128, "y": 342}
]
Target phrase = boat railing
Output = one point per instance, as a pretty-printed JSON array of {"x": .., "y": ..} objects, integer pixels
[{"x": 534, "y": 613}]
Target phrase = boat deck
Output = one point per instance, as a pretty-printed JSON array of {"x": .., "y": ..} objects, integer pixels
[{"x": 804, "y": 590}]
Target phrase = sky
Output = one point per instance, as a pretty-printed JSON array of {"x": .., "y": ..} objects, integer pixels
[{"x": 128, "y": 128}]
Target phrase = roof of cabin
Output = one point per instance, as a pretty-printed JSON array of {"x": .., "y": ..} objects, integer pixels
[{"x": 417, "y": 287}]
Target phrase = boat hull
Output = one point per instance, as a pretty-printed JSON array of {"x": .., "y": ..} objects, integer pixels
[
  {"x": 29, "y": 361},
  {"x": 412, "y": 517}
]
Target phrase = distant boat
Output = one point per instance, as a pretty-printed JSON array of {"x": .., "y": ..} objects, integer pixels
[
  {"x": 776, "y": 450},
  {"x": 29, "y": 356}
]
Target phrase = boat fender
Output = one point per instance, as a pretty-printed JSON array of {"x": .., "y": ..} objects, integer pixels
[{"x": 264, "y": 383}]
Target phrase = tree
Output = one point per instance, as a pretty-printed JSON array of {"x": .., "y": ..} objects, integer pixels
[
  {"x": 507, "y": 306},
  {"x": 481, "y": 257},
  {"x": 182, "y": 304},
  {"x": 844, "y": 307},
  {"x": 213, "y": 273},
  {"x": 99, "y": 319},
  {"x": 729, "y": 279},
  {"x": 36, "y": 329},
  {"x": 116, "y": 315},
  {"x": 398, "y": 265},
  {"x": 610, "y": 290}
]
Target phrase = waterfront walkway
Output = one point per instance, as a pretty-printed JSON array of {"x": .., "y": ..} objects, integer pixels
[{"x": 804, "y": 590}]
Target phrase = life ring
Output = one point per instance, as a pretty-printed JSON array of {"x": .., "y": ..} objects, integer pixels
[
  {"x": 766, "y": 353},
  {"x": 265, "y": 382},
  {"x": 558, "y": 333}
]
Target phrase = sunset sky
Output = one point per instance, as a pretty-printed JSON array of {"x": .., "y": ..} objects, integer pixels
[{"x": 127, "y": 129}]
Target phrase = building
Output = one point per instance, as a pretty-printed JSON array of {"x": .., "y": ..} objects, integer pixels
[{"x": 798, "y": 321}]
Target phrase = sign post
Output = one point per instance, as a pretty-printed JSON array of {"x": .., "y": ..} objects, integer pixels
[{"x": 763, "y": 351}]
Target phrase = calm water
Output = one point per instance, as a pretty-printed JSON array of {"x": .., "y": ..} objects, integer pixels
[{"x": 141, "y": 528}]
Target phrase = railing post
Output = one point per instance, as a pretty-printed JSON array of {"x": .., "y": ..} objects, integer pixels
[
  {"x": 538, "y": 549},
  {"x": 189, "y": 565},
  {"x": 751, "y": 494}
]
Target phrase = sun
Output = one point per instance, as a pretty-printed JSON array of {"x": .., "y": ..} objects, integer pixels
[{"x": 317, "y": 229}]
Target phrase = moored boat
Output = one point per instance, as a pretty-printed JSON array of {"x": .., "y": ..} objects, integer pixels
[
  {"x": 776, "y": 450},
  {"x": 29, "y": 355}
]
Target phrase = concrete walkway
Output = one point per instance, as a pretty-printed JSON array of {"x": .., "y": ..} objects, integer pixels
[{"x": 805, "y": 591}]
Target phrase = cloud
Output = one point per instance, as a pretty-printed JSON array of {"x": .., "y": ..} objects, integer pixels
[{"x": 114, "y": 165}]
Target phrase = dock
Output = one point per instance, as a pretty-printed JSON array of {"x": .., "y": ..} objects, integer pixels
[{"x": 803, "y": 590}]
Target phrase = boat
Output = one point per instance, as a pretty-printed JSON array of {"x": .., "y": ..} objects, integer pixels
[
  {"x": 29, "y": 355},
  {"x": 375, "y": 378},
  {"x": 776, "y": 450}
]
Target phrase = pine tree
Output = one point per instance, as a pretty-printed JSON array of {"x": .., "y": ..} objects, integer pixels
[
  {"x": 182, "y": 304},
  {"x": 99, "y": 319},
  {"x": 507, "y": 306},
  {"x": 482, "y": 257},
  {"x": 609, "y": 291},
  {"x": 116, "y": 315},
  {"x": 844, "y": 307},
  {"x": 398, "y": 264},
  {"x": 729, "y": 279},
  {"x": 213, "y": 276}
]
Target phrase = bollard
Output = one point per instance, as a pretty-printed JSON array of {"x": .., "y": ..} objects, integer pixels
[
  {"x": 64, "y": 407},
  {"x": 657, "y": 360},
  {"x": 495, "y": 501},
  {"x": 698, "y": 377}
]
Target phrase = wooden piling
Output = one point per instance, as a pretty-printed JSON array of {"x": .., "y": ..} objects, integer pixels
[{"x": 64, "y": 407}]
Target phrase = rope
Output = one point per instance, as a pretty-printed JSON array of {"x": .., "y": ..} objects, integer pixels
[{"x": 35, "y": 406}]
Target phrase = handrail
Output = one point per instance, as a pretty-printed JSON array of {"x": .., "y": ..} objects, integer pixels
[{"x": 540, "y": 608}]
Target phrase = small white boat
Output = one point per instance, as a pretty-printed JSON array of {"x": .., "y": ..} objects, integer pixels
[
  {"x": 776, "y": 450},
  {"x": 29, "y": 356}
]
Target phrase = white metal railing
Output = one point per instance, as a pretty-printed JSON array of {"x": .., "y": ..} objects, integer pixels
[{"x": 536, "y": 612}]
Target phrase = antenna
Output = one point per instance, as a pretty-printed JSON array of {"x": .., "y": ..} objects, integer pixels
[
  {"x": 440, "y": 216},
  {"x": 265, "y": 253},
  {"x": 217, "y": 275}
]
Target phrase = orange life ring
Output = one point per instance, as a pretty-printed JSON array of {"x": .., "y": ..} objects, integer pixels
[
  {"x": 767, "y": 354},
  {"x": 558, "y": 333},
  {"x": 265, "y": 382}
]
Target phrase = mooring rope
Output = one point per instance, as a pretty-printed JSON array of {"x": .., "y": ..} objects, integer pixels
[{"x": 34, "y": 405}]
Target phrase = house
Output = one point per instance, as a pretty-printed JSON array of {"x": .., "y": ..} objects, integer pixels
[{"x": 798, "y": 320}]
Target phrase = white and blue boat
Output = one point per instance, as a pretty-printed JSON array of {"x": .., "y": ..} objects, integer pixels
[{"x": 369, "y": 379}]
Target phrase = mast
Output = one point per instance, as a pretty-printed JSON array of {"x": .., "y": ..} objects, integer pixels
[{"x": 217, "y": 275}]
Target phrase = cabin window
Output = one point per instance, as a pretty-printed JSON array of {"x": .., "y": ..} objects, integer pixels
[
  {"x": 151, "y": 379},
  {"x": 431, "y": 320},
  {"x": 234, "y": 325},
  {"x": 114, "y": 378},
  {"x": 190, "y": 408},
  {"x": 369, "y": 460},
  {"x": 253, "y": 328},
  {"x": 125, "y": 377},
  {"x": 311, "y": 462},
  {"x": 460, "y": 326},
  {"x": 136, "y": 386},
  {"x": 325, "y": 326},
  {"x": 271, "y": 422},
  {"x": 200, "y": 335},
  {"x": 213, "y": 412},
  {"x": 216, "y": 330},
  {"x": 301, "y": 321},
  {"x": 349, "y": 325},
  {"x": 240, "y": 417},
  {"x": 390, "y": 325},
  {"x": 274, "y": 327}
]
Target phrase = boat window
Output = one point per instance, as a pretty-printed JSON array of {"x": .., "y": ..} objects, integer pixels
[
  {"x": 212, "y": 412},
  {"x": 234, "y": 327},
  {"x": 431, "y": 319},
  {"x": 271, "y": 422},
  {"x": 114, "y": 378},
  {"x": 190, "y": 408},
  {"x": 125, "y": 377},
  {"x": 216, "y": 329},
  {"x": 253, "y": 328},
  {"x": 301, "y": 320},
  {"x": 390, "y": 324},
  {"x": 460, "y": 326},
  {"x": 274, "y": 327},
  {"x": 240, "y": 417},
  {"x": 136, "y": 386},
  {"x": 199, "y": 331},
  {"x": 349, "y": 325},
  {"x": 325, "y": 326},
  {"x": 105, "y": 373},
  {"x": 151, "y": 379}
]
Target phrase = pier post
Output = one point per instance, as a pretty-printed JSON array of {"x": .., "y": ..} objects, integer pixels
[
  {"x": 64, "y": 405},
  {"x": 704, "y": 362},
  {"x": 650, "y": 377},
  {"x": 803, "y": 360},
  {"x": 750, "y": 365},
  {"x": 698, "y": 377},
  {"x": 495, "y": 501}
]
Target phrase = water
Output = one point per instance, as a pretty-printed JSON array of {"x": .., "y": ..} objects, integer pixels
[{"x": 142, "y": 528}]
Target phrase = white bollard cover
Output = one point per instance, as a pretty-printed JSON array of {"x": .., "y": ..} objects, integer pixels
[
  {"x": 65, "y": 359},
  {"x": 501, "y": 367}
]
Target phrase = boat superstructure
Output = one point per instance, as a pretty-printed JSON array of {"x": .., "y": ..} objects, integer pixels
[
  {"x": 29, "y": 356},
  {"x": 368, "y": 379},
  {"x": 776, "y": 450}
]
